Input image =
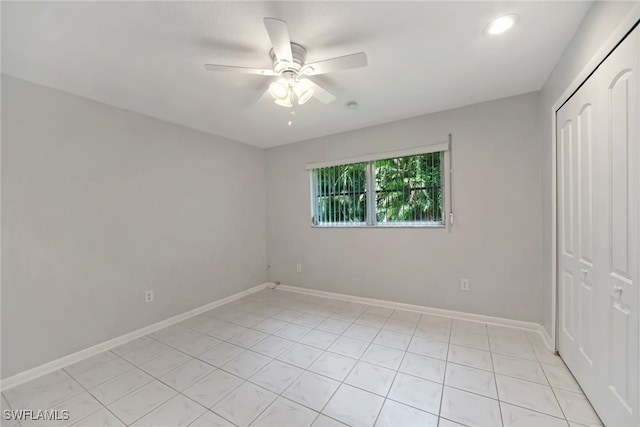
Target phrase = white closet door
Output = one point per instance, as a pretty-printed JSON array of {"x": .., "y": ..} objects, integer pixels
[
  {"x": 576, "y": 193},
  {"x": 618, "y": 249},
  {"x": 599, "y": 197}
]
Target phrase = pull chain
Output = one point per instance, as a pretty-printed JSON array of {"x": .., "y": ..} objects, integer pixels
[{"x": 292, "y": 101}]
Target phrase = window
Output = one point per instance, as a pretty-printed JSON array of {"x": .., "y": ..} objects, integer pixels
[
  {"x": 404, "y": 190},
  {"x": 341, "y": 194}
]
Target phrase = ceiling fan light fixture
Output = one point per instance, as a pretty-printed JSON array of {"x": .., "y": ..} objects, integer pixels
[
  {"x": 279, "y": 90},
  {"x": 303, "y": 91},
  {"x": 286, "y": 102},
  {"x": 304, "y": 96}
]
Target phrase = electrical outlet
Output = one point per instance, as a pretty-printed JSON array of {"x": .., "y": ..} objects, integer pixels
[
  {"x": 148, "y": 296},
  {"x": 464, "y": 285},
  {"x": 299, "y": 268}
]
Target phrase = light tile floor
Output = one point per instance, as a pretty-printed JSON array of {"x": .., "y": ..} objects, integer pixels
[{"x": 280, "y": 359}]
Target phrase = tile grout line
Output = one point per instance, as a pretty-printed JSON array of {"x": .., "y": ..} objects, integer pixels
[
  {"x": 152, "y": 376},
  {"x": 11, "y": 408},
  {"x": 354, "y": 365},
  {"x": 446, "y": 367},
  {"x": 86, "y": 390},
  {"x": 93, "y": 397},
  {"x": 548, "y": 384},
  {"x": 298, "y": 376},
  {"x": 144, "y": 385},
  {"x": 353, "y": 322},
  {"x": 320, "y": 313},
  {"x": 210, "y": 408},
  {"x": 243, "y": 352},
  {"x": 447, "y": 361},
  {"x": 351, "y": 370},
  {"x": 555, "y": 395},
  {"x": 312, "y": 372},
  {"x": 306, "y": 370},
  {"x": 558, "y": 402},
  {"x": 386, "y": 397},
  {"x": 495, "y": 378},
  {"x": 194, "y": 357}
]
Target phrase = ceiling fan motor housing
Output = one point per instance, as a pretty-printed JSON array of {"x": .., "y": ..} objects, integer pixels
[{"x": 299, "y": 55}]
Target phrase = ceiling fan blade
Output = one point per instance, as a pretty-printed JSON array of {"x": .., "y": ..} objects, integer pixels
[
  {"x": 279, "y": 34},
  {"x": 320, "y": 93},
  {"x": 242, "y": 70},
  {"x": 355, "y": 60}
]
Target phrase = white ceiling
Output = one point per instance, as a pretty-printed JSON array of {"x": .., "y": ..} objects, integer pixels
[{"x": 148, "y": 57}]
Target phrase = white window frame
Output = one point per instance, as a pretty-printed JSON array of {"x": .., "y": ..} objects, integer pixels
[{"x": 371, "y": 201}]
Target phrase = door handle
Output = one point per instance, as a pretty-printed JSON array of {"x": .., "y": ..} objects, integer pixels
[
  {"x": 584, "y": 272},
  {"x": 617, "y": 291}
]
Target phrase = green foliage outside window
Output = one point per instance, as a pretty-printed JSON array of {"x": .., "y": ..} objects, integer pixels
[
  {"x": 407, "y": 190},
  {"x": 341, "y": 193}
]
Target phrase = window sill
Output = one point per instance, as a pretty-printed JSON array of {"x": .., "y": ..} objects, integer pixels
[{"x": 379, "y": 226}]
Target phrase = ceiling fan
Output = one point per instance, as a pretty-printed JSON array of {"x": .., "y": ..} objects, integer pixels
[{"x": 293, "y": 87}]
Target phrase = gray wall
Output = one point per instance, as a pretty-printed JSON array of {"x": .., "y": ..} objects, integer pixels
[
  {"x": 100, "y": 204},
  {"x": 495, "y": 241},
  {"x": 597, "y": 26}
]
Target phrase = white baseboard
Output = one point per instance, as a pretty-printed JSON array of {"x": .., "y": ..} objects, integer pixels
[
  {"x": 491, "y": 320},
  {"x": 548, "y": 341},
  {"x": 54, "y": 365}
]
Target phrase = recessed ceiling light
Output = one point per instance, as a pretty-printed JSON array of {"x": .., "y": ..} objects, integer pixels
[{"x": 501, "y": 24}]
